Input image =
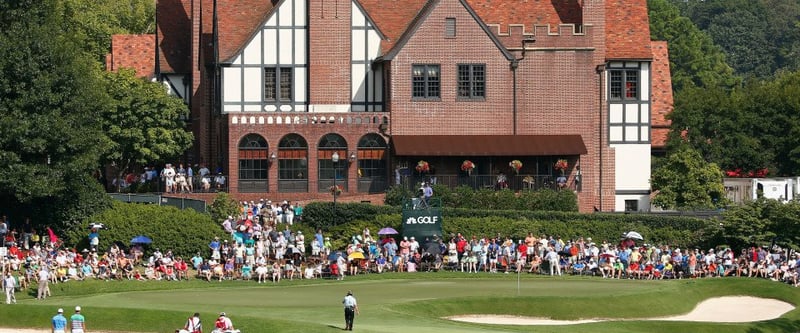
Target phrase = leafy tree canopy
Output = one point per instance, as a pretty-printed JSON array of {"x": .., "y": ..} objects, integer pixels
[
  {"x": 684, "y": 180},
  {"x": 47, "y": 112},
  {"x": 759, "y": 37},
  {"x": 93, "y": 22},
  {"x": 695, "y": 61},
  {"x": 143, "y": 122}
]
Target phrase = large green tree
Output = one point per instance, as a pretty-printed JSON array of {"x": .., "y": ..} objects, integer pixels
[
  {"x": 759, "y": 37},
  {"x": 695, "y": 61},
  {"x": 143, "y": 122},
  {"x": 684, "y": 180},
  {"x": 47, "y": 107},
  {"x": 50, "y": 140}
]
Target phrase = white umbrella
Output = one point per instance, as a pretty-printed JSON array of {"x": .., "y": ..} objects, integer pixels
[{"x": 634, "y": 235}]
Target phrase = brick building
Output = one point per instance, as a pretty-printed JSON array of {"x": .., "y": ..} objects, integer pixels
[{"x": 278, "y": 87}]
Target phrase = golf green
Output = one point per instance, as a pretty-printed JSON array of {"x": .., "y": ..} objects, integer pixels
[{"x": 415, "y": 302}]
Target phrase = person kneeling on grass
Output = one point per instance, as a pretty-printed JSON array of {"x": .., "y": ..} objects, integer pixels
[{"x": 224, "y": 325}]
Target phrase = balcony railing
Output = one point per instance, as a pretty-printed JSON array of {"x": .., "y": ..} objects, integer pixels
[{"x": 513, "y": 182}]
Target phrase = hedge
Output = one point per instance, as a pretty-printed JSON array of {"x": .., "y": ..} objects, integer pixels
[
  {"x": 351, "y": 218},
  {"x": 185, "y": 232}
]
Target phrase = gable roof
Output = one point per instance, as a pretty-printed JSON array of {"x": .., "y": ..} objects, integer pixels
[
  {"x": 423, "y": 14},
  {"x": 237, "y": 22},
  {"x": 392, "y": 17},
  {"x": 627, "y": 30},
  {"x": 132, "y": 51}
]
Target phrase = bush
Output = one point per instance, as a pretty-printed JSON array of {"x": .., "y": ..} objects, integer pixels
[
  {"x": 675, "y": 231},
  {"x": 467, "y": 197},
  {"x": 224, "y": 206},
  {"x": 320, "y": 215},
  {"x": 397, "y": 196},
  {"x": 185, "y": 232}
]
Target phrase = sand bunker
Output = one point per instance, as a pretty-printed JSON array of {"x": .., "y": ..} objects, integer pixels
[{"x": 728, "y": 309}]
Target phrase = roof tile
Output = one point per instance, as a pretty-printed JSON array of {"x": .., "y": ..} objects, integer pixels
[
  {"x": 392, "y": 17},
  {"x": 132, "y": 51},
  {"x": 627, "y": 30}
]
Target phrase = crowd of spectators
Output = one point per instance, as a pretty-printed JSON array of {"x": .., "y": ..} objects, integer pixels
[
  {"x": 261, "y": 245},
  {"x": 173, "y": 179}
]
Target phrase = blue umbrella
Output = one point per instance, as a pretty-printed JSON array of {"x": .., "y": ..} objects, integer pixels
[
  {"x": 141, "y": 240},
  {"x": 333, "y": 256}
]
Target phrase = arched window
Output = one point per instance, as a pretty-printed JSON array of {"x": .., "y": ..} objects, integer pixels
[
  {"x": 372, "y": 163},
  {"x": 328, "y": 171},
  {"x": 253, "y": 164},
  {"x": 293, "y": 164}
]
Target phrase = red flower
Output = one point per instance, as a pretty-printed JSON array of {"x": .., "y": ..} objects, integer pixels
[{"x": 467, "y": 166}]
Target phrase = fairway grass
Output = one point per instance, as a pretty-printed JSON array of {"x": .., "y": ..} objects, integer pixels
[{"x": 392, "y": 301}]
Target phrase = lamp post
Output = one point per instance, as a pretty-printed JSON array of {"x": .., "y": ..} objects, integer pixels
[{"x": 335, "y": 160}]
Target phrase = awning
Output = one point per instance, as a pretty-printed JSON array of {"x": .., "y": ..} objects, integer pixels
[{"x": 487, "y": 145}]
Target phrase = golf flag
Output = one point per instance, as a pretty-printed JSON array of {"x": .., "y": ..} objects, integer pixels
[{"x": 53, "y": 237}]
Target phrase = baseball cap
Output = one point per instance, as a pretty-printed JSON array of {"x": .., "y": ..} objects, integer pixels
[
  {"x": 350, "y": 292},
  {"x": 60, "y": 310},
  {"x": 222, "y": 313},
  {"x": 78, "y": 308}
]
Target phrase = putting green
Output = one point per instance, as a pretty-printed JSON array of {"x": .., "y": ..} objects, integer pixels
[{"x": 418, "y": 303}]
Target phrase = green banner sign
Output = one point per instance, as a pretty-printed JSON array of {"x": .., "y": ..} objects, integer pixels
[{"x": 422, "y": 223}]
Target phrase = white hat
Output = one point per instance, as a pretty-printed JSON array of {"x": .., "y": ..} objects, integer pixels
[
  {"x": 60, "y": 310},
  {"x": 405, "y": 237},
  {"x": 78, "y": 308}
]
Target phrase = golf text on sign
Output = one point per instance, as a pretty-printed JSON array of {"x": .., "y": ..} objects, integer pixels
[
  {"x": 423, "y": 220},
  {"x": 422, "y": 223}
]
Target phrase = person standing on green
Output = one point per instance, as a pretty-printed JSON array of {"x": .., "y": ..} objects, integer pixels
[
  {"x": 78, "y": 321},
  {"x": 350, "y": 310},
  {"x": 59, "y": 322}
]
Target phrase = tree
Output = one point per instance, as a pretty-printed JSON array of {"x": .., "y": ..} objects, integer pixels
[
  {"x": 143, "y": 122},
  {"x": 713, "y": 121},
  {"x": 760, "y": 38},
  {"x": 47, "y": 105},
  {"x": 684, "y": 180},
  {"x": 762, "y": 222},
  {"x": 695, "y": 61},
  {"x": 94, "y": 22}
]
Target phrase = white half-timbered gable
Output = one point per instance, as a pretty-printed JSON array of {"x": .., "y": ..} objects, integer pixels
[
  {"x": 367, "y": 77},
  {"x": 270, "y": 73},
  {"x": 628, "y": 96}
]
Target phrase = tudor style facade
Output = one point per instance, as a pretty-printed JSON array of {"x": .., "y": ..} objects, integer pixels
[{"x": 277, "y": 87}]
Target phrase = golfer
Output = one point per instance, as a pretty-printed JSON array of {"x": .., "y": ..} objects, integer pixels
[
  {"x": 59, "y": 322},
  {"x": 350, "y": 310},
  {"x": 78, "y": 321}
]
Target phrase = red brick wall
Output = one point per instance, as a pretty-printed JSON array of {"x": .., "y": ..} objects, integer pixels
[
  {"x": 312, "y": 133},
  {"x": 329, "y": 51},
  {"x": 449, "y": 116}
]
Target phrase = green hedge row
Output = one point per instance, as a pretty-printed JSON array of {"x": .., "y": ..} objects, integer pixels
[
  {"x": 466, "y": 197},
  {"x": 351, "y": 218},
  {"x": 185, "y": 232}
]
